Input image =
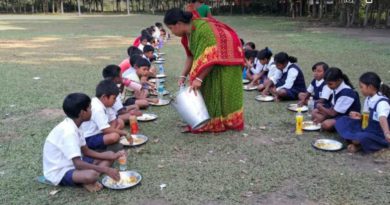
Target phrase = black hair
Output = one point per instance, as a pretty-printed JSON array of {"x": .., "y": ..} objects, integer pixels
[
  {"x": 265, "y": 53},
  {"x": 148, "y": 48},
  {"x": 242, "y": 41},
  {"x": 250, "y": 54},
  {"x": 111, "y": 72},
  {"x": 142, "y": 62},
  {"x": 144, "y": 32},
  {"x": 133, "y": 50},
  {"x": 134, "y": 59},
  {"x": 158, "y": 24},
  {"x": 335, "y": 74},
  {"x": 175, "y": 15},
  {"x": 324, "y": 66},
  {"x": 150, "y": 30},
  {"x": 371, "y": 78},
  {"x": 106, "y": 87},
  {"x": 284, "y": 58},
  {"x": 74, "y": 103},
  {"x": 145, "y": 37},
  {"x": 251, "y": 44}
]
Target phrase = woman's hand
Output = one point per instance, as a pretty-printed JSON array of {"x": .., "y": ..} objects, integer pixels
[
  {"x": 195, "y": 85},
  {"x": 181, "y": 81},
  {"x": 355, "y": 115}
]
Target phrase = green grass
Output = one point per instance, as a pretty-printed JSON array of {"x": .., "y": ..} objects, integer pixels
[{"x": 68, "y": 54}]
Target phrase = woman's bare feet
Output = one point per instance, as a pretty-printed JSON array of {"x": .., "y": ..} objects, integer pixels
[
  {"x": 93, "y": 187},
  {"x": 352, "y": 148}
]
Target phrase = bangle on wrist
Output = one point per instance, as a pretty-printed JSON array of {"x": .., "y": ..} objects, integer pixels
[{"x": 198, "y": 79}]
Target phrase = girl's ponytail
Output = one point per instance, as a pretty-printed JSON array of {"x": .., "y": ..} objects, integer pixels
[
  {"x": 385, "y": 89},
  {"x": 347, "y": 81}
]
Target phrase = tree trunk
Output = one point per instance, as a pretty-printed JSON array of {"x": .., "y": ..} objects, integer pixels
[
  {"x": 242, "y": 7},
  {"x": 102, "y": 5},
  {"x": 53, "y": 7},
  {"x": 314, "y": 13},
  {"x": 378, "y": 15},
  {"x": 231, "y": 7},
  {"x": 366, "y": 15},
  {"x": 292, "y": 10},
  {"x": 321, "y": 9},
  {"x": 308, "y": 8},
  {"x": 78, "y": 7},
  {"x": 62, "y": 6}
]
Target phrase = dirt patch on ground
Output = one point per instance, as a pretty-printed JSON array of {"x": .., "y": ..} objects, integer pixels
[
  {"x": 47, "y": 114},
  {"x": 154, "y": 202},
  {"x": 372, "y": 35},
  {"x": 7, "y": 136},
  {"x": 107, "y": 42},
  {"x": 4, "y": 26},
  {"x": 287, "y": 194}
]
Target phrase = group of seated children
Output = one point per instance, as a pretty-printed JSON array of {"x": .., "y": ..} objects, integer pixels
[
  {"x": 70, "y": 153},
  {"x": 337, "y": 104}
]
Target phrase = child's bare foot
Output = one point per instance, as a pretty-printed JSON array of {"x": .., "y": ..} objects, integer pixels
[
  {"x": 93, "y": 187},
  {"x": 352, "y": 148}
]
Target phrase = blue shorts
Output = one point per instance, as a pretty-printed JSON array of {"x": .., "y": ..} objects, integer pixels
[
  {"x": 67, "y": 180},
  {"x": 96, "y": 142},
  {"x": 292, "y": 94}
]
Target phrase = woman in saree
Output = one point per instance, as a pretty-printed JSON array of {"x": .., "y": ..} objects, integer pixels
[
  {"x": 199, "y": 9},
  {"x": 213, "y": 67}
]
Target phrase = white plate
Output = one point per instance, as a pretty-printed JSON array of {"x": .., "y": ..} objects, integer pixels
[
  {"x": 161, "y": 102},
  {"x": 111, "y": 184},
  {"x": 160, "y": 59},
  {"x": 247, "y": 88},
  {"x": 161, "y": 54},
  {"x": 166, "y": 92},
  {"x": 264, "y": 98},
  {"x": 138, "y": 139},
  {"x": 161, "y": 76},
  {"x": 153, "y": 80},
  {"x": 327, "y": 145},
  {"x": 245, "y": 81},
  {"x": 146, "y": 117},
  {"x": 310, "y": 126},
  {"x": 158, "y": 62},
  {"x": 294, "y": 107}
]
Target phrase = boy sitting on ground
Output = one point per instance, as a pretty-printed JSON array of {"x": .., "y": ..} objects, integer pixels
[
  {"x": 112, "y": 72},
  {"x": 67, "y": 161},
  {"x": 104, "y": 128}
]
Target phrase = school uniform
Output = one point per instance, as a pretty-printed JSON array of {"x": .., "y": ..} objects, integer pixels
[
  {"x": 319, "y": 90},
  {"x": 292, "y": 80},
  {"x": 118, "y": 105},
  {"x": 100, "y": 119},
  {"x": 274, "y": 74},
  {"x": 63, "y": 144},
  {"x": 372, "y": 137},
  {"x": 258, "y": 68},
  {"x": 344, "y": 100}
]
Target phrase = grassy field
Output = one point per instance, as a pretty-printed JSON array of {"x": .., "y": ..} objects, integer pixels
[{"x": 256, "y": 166}]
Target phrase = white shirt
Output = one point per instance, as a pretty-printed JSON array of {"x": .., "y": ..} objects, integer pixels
[
  {"x": 343, "y": 103},
  {"x": 156, "y": 33},
  {"x": 62, "y": 144},
  {"x": 324, "y": 94},
  {"x": 291, "y": 77},
  {"x": 141, "y": 47},
  {"x": 100, "y": 119},
  {"x": 131, "y": 74},
  {"x": 382, "y": 109},
  {"x": 258, "y": 68},
  {"x": 118, "y": 104},
  {"x": 274, "y": 74}
]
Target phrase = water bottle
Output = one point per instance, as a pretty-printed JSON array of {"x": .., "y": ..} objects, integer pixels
[
  {"x": 160, "y": 90},
  {"x": 299, "y": 122},
  {"x": 310, "y": 105},
  {"x": 161, "y": 69}
]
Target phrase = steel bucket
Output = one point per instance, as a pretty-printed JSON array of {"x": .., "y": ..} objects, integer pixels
[{"x": 191, "y": 107}]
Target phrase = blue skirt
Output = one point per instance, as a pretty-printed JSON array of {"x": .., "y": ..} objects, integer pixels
[{"x": 350, "y": 129}]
